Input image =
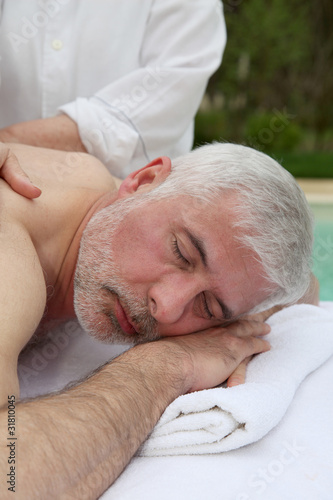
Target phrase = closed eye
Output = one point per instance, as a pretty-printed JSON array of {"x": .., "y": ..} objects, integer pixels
[
  {"x": 205, "y": 306},
  {"x": 180, "y": 256},
  {"x": 177, "y": 252}
]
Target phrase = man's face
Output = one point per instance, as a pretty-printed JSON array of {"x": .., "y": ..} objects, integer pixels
[{"x": 162, "y": 268}]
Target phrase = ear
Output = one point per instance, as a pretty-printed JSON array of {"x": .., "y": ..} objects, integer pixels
[{"x": 146, "y": 178}]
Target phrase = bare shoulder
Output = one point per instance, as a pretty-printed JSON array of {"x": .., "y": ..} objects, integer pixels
[
  {"x": 71, "y": 184},
  {"x": 64, "y": 169}
]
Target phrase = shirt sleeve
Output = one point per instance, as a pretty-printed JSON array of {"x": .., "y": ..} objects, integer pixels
[{"x": 150, "y": 110}]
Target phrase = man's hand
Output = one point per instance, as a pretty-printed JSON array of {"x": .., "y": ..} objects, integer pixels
[
  {"x": 238, "y": 376},
  {"x": 101, "y": 422},
  {"x": 12, "y": 173},
  {"x": 220, "y": 352},
  {"x": 311, "y": 297}
]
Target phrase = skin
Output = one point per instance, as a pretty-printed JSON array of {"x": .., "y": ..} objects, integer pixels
[
  {"x": 12, "y": 173},
  {"x": 39, "y": 242},
  {"x": 57, "y": 132},
  {"x": 62, "y": 253},
  {"x": 179, "y": 294}
]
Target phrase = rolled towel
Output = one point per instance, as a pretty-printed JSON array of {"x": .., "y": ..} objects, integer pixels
[{"x": 222, "y": 419}]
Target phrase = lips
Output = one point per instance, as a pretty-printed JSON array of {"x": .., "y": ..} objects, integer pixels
[{"x": 123, "y": 320}]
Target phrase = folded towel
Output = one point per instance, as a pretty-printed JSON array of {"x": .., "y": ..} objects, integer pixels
[{"x": 222, "y": 419}]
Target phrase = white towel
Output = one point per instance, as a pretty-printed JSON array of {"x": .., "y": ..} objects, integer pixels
[{"x": 222, "y": 419}]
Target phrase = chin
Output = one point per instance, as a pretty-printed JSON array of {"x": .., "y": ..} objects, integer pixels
[{"x": 100, "y": 326}]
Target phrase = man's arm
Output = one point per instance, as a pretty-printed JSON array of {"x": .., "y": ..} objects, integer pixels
[
  {"x": 74, "y": 444},
  {"x": 22, "y": 300}
]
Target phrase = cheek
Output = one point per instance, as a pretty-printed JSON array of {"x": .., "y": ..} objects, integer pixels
[
  {"x": 185, "y": 326},
  {"x": 140, "y": 254}
]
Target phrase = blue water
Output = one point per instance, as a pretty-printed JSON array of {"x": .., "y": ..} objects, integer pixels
[{"x": 323, "y": 249}]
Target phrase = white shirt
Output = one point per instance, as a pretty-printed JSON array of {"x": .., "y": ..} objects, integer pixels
[{"x": 130, "y": 73}]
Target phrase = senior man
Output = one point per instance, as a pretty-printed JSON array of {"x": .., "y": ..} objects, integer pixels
[{"x": 174, "y": 254}]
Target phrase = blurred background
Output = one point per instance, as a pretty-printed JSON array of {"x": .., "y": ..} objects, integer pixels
[{"x": 274, "y": 89}]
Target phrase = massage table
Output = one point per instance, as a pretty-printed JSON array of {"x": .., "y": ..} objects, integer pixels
[{"x": 294, "y": 460}]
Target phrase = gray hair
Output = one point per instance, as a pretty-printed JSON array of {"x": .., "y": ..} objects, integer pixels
[{"x": 272, "y": 211}]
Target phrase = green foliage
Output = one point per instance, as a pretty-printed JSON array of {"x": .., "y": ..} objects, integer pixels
[
  {"x": 268, "y": 132},
  {"x": 315, "y": 164},
  {"x": 279, "y": 56},
  {"x": 274, "y": 35},
  {"x": 209, "y": 127}
]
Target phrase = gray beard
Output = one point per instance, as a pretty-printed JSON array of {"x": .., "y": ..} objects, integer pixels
[{"x": 97, "y": 281}]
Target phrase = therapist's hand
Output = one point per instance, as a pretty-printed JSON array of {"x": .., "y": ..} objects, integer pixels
[
  {"x": 12, "y": 173},
  {"x": 57, "y": 132}
]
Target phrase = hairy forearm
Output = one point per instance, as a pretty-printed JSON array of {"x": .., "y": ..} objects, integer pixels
[
  {"x": 58, "y": 132},
  {"x": 75, "y": 444}
]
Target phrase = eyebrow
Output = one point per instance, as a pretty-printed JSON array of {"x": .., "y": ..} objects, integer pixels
[{"x": 199, "y": 244}]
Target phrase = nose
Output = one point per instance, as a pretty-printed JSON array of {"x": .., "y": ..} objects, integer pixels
[{"x": 171, "y": 298}]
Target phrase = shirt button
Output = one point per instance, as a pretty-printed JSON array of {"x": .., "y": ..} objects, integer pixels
[{"x": 57, "y": 44}]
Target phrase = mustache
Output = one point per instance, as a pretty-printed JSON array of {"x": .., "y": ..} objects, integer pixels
[{"x": 138, "y": 314}]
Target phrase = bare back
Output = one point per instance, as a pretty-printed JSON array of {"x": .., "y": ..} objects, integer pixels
[{"x": 39, "y": 241}]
